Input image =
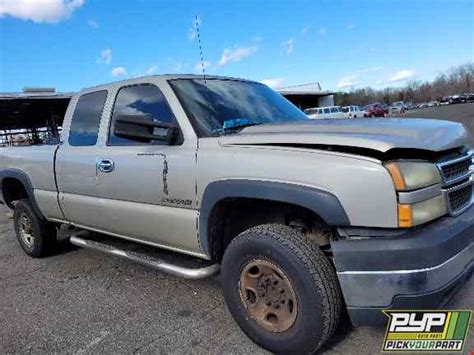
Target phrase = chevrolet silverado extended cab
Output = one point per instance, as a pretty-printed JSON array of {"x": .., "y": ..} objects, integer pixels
[{"x": 301, "y": 217}]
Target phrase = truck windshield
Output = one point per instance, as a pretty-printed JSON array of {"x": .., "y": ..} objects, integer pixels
[{"x": 222, "y": 106}]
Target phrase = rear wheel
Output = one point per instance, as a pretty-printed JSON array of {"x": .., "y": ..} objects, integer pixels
[
  {"x": 35, "y": 235},
  {"x": 281, "y": 289}
]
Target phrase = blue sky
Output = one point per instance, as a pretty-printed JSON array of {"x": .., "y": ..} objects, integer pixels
[{"x": 71, "y": 44}]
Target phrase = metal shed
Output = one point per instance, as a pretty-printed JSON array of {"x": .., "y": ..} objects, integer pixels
[
  {"x": 307, "y": 95},
  {"x": 32, "y": 116}
]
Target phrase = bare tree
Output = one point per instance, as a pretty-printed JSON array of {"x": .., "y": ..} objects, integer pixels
[{"x": 457, "y": 80}]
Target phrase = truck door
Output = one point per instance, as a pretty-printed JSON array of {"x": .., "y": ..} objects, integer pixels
[
  {"x": 76, "y": 161},
  {"x": 147, "y": 190}
]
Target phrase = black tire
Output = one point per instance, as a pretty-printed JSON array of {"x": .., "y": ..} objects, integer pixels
[
  {"x": 44, "y": 232},
  {"x": 311, "y": 274}
]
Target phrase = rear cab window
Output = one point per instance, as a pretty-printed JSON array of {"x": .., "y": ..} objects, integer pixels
[{"x": 85, "y": 122}]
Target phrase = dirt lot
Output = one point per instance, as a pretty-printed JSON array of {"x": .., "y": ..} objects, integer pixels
[{"x": 80, "y": 301}]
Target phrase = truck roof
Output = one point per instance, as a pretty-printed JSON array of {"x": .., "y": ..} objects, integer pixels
[{"x": 163, "y": 77}]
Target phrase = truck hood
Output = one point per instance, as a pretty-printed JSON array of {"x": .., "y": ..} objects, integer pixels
[{"x": 379, "y": 135}]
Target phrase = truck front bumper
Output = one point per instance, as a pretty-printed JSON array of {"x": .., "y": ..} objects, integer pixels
[{"x": 418, "y": 269}]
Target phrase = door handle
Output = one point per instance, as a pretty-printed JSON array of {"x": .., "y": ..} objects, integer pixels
[{"x": 105, "y": 165}]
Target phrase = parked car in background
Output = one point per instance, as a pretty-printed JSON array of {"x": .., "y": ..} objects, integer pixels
[
  {"x": 457, "y": 99},
  {"x": 397, "y": 108},
  {"x": 410, "y": 105},
  {"x": 325, "y": 112},
  {"x": 468, "y": 97},
  {"x": 353, "y": 111},
  {"x": 374, "y": 110},
  {"x": 444, "y": 100}
]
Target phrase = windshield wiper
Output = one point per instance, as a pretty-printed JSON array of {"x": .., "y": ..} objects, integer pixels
[
  {"x": 239, "y": 127},
  {"x": 237, "y": 124}
]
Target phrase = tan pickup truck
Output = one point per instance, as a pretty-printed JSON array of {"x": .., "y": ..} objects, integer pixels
[{"x": 301, "y": 217}]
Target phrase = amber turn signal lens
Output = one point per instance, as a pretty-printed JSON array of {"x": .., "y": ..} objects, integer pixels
[
  {"x": 405, "y": 219},
  {"x": 396, "y": 176}
]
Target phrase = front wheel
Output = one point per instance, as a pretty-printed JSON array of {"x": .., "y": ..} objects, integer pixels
[
  {"x": 281, "y": 289},
  {"x": 35, "y": 235}
]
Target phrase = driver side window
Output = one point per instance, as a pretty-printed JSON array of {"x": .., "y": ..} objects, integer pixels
[{"x": 145, "y": 100}]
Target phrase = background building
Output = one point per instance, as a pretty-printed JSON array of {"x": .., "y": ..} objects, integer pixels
[{"x": 307, "y": 95}]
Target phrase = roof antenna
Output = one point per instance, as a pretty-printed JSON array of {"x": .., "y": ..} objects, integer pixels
[{"x": 196, "y": 22}]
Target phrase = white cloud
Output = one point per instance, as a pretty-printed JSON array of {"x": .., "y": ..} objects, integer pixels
[
  {"x": 151, "y": 70},
  {"x": 369, "y": 70},
  {"x": 39, "y": 11},
  {"x": 93, "y": 24},
  {"x": 118, "y": 71},
  {"x": 105, "y": 56},
  {"x": 401, "y": 75},
  {"x": 289, "y": 45},
  {"x": 199, "y": 66},
  {"x": 322, "y": 31},
  {"x": 305, "y": 30},
  {"x": 361, "y": 75},
  {"x": 274, "y": 82},
  {"x": 192, "y": 31},
  {"x": 236, "y": 54},
  {"x": 347, "y": 81}
]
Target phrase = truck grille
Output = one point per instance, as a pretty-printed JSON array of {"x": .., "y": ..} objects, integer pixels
[
  {"x": 455, "y": 170},
  {"x": 460, "y": 198},
  {"x": 457, "y": 182}
]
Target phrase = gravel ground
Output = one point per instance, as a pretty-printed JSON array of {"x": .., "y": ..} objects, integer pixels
[{"x": 81, "y": 301}]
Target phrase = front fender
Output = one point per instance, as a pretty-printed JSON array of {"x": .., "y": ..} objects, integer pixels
[{"x": 321, "y": 202}]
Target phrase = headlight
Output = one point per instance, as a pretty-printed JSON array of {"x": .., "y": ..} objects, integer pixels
[
  {"x": 408, "y": 176},
  {"x": 421, "y": 212}
]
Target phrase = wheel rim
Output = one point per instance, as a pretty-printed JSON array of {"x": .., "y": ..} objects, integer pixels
[
  {"x": 268, "y": 296},
  {"x": 26, "y": 230}
]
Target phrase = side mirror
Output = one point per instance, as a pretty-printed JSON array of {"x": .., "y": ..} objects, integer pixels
[{"x": 142, "y": 129}]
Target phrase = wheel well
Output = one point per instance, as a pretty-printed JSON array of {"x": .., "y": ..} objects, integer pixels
[
  {"x": 232, "y": 216},
  {"x": 13, "y": 190}
]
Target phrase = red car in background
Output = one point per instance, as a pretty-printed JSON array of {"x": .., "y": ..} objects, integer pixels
[{"x": 375, "y": 110}]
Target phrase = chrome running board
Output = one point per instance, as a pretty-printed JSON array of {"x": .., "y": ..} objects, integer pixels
[{"x": 155, "y": 263}]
